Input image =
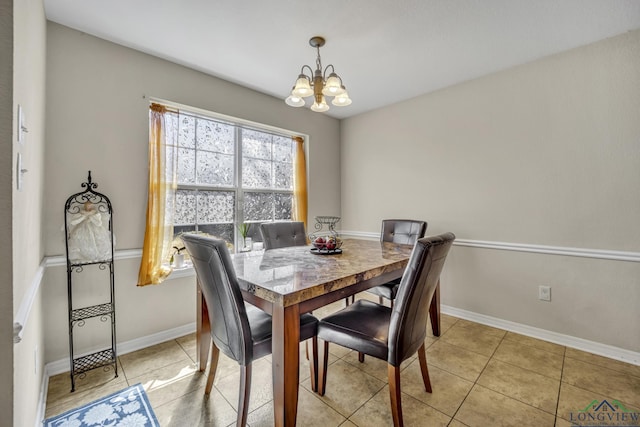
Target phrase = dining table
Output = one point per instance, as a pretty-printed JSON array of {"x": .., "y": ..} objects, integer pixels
[{"x": 287, "y": 282}]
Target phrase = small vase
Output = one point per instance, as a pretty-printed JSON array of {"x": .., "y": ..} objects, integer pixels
[
  {"x": 248, "y": 243},
  {"x": 178, "y": 260}
]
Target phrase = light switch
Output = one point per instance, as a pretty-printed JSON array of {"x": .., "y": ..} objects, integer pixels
[
  {"x": 21, "y": 128},
  {"x": 20, "y": 171}
]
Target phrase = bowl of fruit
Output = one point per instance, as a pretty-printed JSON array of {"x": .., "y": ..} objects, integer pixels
[{"x": 326, "y": 245}]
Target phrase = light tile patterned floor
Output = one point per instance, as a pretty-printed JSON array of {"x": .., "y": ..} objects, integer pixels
[{"x": 481, "y": 376}]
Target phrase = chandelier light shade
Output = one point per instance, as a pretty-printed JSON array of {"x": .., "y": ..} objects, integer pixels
[{"x": 318, "y": 85}]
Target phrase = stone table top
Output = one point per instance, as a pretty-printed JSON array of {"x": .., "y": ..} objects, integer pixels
[{"x": 291, "y": 275}]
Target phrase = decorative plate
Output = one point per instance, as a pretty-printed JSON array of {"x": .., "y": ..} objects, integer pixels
[{"x": 325, "y": 251}]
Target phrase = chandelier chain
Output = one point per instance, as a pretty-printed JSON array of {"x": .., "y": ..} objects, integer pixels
[{"x": 318, "y": 60}]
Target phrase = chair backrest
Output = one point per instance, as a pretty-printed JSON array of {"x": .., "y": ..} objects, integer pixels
[
  {"x": 230, "y": 328},
  {"x": 408, "y": 326},
  {"x": 281, "y": 234},
  {"x": 402, "y": 231}
]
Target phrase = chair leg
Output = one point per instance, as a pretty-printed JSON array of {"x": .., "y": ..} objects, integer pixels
[
  {"x": 360, "y": 357},
  {"x": 380, "y": 300},
  {"x": 395, "y": 394},
  {"x": 213, "y": 367},
  {"x": 313, "y": 363},
  {"x": 245, "y": 390},
  {"x": 422, "y": 356},
  {"x": 322, "y": 376}
]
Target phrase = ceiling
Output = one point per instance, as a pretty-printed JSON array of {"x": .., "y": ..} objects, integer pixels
[{"x": 385, "y": 51}]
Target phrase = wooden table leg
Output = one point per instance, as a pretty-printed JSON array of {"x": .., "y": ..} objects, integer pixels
[
  {"x": 434, "y": 311},
  {"x": 203, "y": 330},
  {"x": 286, "y": 359}
]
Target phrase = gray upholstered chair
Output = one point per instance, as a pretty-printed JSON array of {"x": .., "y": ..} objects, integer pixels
[
  {"x": 241, "y": 331},
  {"x": 280, "y": 234},
  {"x": 391, "y": 334},
  {"x": 403, "y": 231}
]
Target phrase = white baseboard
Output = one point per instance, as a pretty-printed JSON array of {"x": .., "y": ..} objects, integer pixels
[
  {"x": 605, "y": 350},
  {"x": 617, "y": 353},
  {"x": 62, "y": 365},
  {"x": 42, "y": 402}
]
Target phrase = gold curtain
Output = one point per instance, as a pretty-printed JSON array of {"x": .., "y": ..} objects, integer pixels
[
  {"x": 161, "y": 199},
  {"x": 299, "y": 183}
]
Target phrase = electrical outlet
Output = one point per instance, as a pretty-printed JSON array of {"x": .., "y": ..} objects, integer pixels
[{"x": 544, "y": 293}]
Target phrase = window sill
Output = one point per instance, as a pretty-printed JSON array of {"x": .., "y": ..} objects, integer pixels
[{"x": 186, "y": 271}]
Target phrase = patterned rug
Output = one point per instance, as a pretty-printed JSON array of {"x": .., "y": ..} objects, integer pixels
[{"x": 127, "y": 408}]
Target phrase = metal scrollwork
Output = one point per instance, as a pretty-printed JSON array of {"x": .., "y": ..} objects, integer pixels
[
  {"x": 329, "y": 221},
  {"x": 88, "y": 222},
  {"x": 89, "y": 185},
  {"x": 326, "y": 241}
]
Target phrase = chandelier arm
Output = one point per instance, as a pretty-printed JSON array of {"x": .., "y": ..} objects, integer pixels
[
  {"x": 333, "y": 70},
  {"x": 310, "y": 71}
]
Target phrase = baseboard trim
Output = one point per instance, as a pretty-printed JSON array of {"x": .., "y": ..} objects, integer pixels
[
  {"x": 42, "y": 403},
  {"x": 62, "y": 365},
  {"x": 605, "y": 350}
]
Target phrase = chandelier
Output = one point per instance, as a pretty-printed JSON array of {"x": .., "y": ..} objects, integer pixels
[{"x": 318, "y": 84}]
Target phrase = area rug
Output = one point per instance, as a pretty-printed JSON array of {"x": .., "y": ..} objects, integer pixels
[{"x": 127, "y": 408}]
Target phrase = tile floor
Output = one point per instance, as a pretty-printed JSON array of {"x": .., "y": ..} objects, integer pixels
[{"x": 481, "y": 376}]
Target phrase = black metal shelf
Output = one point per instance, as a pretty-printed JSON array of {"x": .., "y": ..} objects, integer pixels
[
  {"x": 80, "y": 314},
  {"x": 82, "y": 264},
  {"x": 88, "y": 220},
  {"x": 93, "y": 361}
]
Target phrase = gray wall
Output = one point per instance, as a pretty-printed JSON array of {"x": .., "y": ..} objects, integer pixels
[
  {"x": 29, "y": 42},
  {"x": 97, "y": 119},
  {"x": 548, "y": 154},
  {"x": 6, "y": 168}
]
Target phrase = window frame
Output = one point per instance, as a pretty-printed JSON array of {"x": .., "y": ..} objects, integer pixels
[{"x": 239, "y": 126}]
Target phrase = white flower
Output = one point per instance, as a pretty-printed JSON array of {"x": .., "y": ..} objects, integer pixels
[
  {"x": 99, "y": 414},
  {"x": 130, "y": 408},
  {"x": 133, "y": 420}
]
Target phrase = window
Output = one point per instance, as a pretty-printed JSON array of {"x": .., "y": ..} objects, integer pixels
[{"x": 228, "y": 174}]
